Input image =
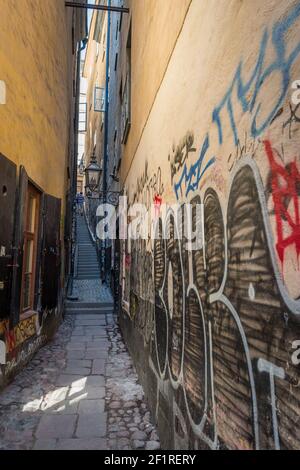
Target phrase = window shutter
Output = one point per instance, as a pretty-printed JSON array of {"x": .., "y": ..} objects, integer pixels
[
  {"x": 51, "y": 256},
  {"x": 7, "y": 212},
  {"x": 19, "y": 247}
]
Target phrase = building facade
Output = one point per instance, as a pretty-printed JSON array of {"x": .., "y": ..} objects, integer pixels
[
  {"x": 94, "y": 73},
  {"x": 37, "y": 164},
  {"x": 209, "y": 96},
  {"x": 102, "y": 130}
]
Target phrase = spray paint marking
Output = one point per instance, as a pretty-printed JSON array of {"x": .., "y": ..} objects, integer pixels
[
  {"x": 273, "y": 371},
  {"x": 282, "y": 64},
  {"x": 192, "y": 177},
  {"x": 285, "y": 184}
]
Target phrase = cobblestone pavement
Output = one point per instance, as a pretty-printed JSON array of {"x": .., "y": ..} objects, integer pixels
[
  {"x": 78, "y": 392},
  {"x": 91, "y": 290}
]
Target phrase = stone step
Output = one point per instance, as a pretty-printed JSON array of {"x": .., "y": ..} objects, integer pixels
[
  {"x": 82, "y": 272},
  {"x": 89, "y": 311},
  {"x": 88, "y": 260},
  {"x": 88, "y": 264},
  {"x": 87, "y": 278},
  {"x": 88, "y": 267},
  {"x": 91, "y": 254},
  {"x": 87, "y": 255},
  {"x": 75, "y": 304},
  {"x": 88, "y": 273}
]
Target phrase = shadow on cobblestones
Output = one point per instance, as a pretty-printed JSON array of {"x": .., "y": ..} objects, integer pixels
[
  {"x": 78, "y": 392},
  {"x": 129, "y": 421}
]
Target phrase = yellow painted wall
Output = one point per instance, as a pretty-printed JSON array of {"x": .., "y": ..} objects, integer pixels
[
  {"x": 36, "y": 65},
  {"x": 156, "y": 25}
]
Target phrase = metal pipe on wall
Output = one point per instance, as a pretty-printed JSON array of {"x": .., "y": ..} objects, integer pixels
[
  {"x": 105, "y": 152},
  {"x": 88, "y": 6}
]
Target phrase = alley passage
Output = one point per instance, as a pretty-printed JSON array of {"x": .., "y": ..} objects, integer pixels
[{"x": 79, "y": 392}]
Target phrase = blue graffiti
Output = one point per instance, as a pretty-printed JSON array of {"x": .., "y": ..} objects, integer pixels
[
  {"x": 192, "y": 177},
  {"x": 281, "y": 64}
]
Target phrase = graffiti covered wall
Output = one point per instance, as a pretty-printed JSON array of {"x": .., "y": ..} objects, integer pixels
[
  {"x": 19, "y": 344},
  {"x": 214, "y": 330}
]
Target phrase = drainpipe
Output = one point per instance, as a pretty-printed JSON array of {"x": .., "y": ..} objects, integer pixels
[{"x": 105, "y": 153}]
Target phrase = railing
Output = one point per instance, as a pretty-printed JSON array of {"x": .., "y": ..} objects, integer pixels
[{"x": 103, "y": 247}]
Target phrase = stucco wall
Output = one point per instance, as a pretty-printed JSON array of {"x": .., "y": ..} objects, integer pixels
[
  {"x": 214, "y": 331},
  {"x": 156, "y": 24},
  {"x": 36, "y": 65}
]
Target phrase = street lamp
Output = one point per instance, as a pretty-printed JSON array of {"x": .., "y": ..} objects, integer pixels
[{"x": 93, "y": 174}]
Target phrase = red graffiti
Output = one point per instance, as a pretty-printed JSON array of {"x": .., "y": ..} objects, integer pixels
[
  {"x": 10, "y": 340},
  {"x": 285, "y": 184},
  {"x": 157, "y": 204}
]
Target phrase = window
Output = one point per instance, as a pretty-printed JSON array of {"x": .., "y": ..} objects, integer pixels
[
  {"x": 126, "y": 95},
  {"x": 82, "y": 117},
  {"x": 116, "y": 61},
  {"x": 99, "y": 100},
  {"x": 115, "y": 145},
  {"x": 30, "y": 247}
]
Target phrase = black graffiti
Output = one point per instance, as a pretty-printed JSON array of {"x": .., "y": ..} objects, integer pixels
[
  {"x": 245, "y": 147},
  {"x": 294, "y": 118},
  {"x": 148, "y": 187},
  {"x": 180, "y": 154},
  {"x": 141, "y": 288},
  {"x": 231, "y": 313}
]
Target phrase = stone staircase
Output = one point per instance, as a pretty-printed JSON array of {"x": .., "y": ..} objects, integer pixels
[
  {"x": 87, "y": 262},
  {"x": 93, "y": 297}
]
